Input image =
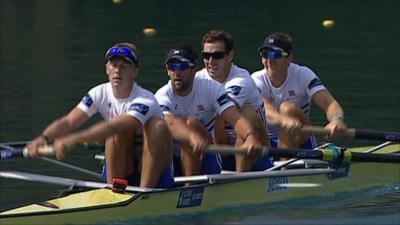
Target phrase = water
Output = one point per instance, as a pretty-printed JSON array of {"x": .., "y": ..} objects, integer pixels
[{"x": 52, "y": 53}]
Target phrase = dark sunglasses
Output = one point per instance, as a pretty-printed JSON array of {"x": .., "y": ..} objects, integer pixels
[
  {"x": 121, "y": 51},
  {"x": 215, "y": 55},
  {"x": 273, "y": 54},
  {"x": 178, "y": 66}
]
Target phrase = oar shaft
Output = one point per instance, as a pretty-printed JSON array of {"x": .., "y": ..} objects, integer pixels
[
  {"x": 371, "y": 157},
  {"x": 376, "y": 135},
  {"x": 333, "y": 155}
]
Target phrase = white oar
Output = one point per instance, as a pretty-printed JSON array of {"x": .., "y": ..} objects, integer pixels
[
  {"x": 12, "y": 152},
  {"x": 66, "y": 181},
  {"x": 213, "y": 178}
]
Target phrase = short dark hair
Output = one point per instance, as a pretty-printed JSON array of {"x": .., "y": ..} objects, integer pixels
[{"x": 213, "y": 36}]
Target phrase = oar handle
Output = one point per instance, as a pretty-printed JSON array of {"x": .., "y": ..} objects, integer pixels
[
  {"x": 230, "y": 150},
  {"x": 24, "y": 153},
  {"x": 349, "y": 133},
  {"x": 46, "y": 150},
  {"x": 356, "y": 133}
]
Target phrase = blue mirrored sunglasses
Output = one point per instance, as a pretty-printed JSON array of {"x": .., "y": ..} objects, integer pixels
[
  {"x": 121, "y": 51},
  {"x": 273, "y": 54},
  {"x": 177, "y": 66}
]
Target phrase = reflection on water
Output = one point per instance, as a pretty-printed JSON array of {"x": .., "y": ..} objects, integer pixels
[{"x": 381, "y": 206}]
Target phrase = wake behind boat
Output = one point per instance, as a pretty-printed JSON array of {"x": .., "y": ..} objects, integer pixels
[{"x": 303, "y": 179}]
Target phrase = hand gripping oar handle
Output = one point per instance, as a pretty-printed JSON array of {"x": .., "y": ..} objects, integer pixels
[
  {"x": 46, "y": 150},
  {"x": 23, "y": 153},
  {"x": 356, "y": 133}
]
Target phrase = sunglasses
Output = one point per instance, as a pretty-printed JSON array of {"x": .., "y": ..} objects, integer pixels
[
  {"x": 215, "y": 55},
  {"x": 122, "y": 51},
  {"x": 273, "y": 54},
  {"x": 178, "y": 66}
]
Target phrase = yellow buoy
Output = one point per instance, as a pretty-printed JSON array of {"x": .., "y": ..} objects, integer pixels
[
  {"x": 117, "y": 1},
  {"x": 328, "y": 23},
  {"x": 149, "y": 32}
]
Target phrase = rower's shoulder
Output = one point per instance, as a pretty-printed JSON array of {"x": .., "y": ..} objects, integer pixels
[
  {"x": 300, "y": 70},
  {"x": 143, "y": 92},
  {"x": 163, "y": 89},
  {"x": 203, "y": 74},
  {"x": 258, "y": 74}
]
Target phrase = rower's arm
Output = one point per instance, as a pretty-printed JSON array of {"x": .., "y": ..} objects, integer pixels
[
  {"x": 180, "y": 131},
  {"x": 271, "y": 113},
  {"x": 244, "y": 130},
  {"x": 328, "y": 103},
  {"x": 274, "y": 117},
  {"x": 334, "y": 112},
  {"x": 97, "y": 132},
  {"x": 64, "y": 125},
  {"x": 239, "y": 123},
  {"x": 102, "y": 130}
]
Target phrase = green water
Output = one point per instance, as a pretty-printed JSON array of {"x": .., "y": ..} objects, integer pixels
[{"x": 52, "y": 53}]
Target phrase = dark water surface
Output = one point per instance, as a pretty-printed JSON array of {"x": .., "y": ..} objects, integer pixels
[{"x": 52, "y": 53}]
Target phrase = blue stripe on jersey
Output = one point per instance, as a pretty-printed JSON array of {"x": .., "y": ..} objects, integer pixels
[
  {"x": 165, "y": 108},
  {"x": 210, "y": 123},
  {"x": 304, "y": 106},
  {"x": 314, "y": 83},
  {"x": 261, "y": 112}
]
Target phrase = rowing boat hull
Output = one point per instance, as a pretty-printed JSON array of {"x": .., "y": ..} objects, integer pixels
[{"x": 277, "y": 186}]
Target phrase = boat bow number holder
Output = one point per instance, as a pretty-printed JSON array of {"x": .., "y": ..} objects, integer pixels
[{"x": 190, "y": 197}]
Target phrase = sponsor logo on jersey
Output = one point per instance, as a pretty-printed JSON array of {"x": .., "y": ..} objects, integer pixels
[
  {"x": 292, "y": 93},
  {"x": 234, "y": 90},
  {"x": 164, "y": 108},
  {"x": 314, "y": 83},
  {"x": 141, "y": 108},
  {"x": 87, "y": 100},
  {"x": 224, "y": 99},
  {"x": 200, "y": 108}
]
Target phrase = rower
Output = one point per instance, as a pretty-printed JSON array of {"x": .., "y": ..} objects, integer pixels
[
  {"x": 190, "y": 105},
  {"x": 287, "y": 90},
  {"x": 128, "y": 110},
  {"x": 218, "y": 53}
]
